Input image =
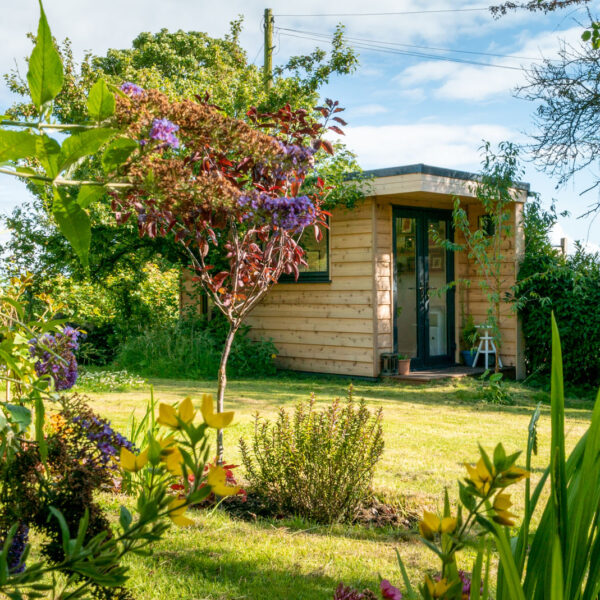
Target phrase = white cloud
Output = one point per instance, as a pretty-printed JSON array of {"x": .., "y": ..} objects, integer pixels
[
  {"x": 452, "y": 146},
  {"x": 368, "y": 110},
  {"x": 558, "y": 233},
  {"x": 470, "y": 82}
]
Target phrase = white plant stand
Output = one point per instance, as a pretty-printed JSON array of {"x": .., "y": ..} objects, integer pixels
[{"x": 486, "y": 347}]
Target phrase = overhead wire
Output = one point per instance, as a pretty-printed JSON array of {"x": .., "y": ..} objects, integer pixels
[
  {"x": 326, "y": 35},
  {"x": 382, "y": 14},
  {"x": 396, "y": 51}
]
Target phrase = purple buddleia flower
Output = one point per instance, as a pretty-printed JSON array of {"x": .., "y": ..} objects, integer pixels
[
  {"x": 291, "y": 214},
  {"x": 64, "y": 344},
  {"x": 107, "y": 440},
  {"x": 16, "y": 549},
  {"x": 132, "y": 90},
  {"x": 164, "y": 130}
]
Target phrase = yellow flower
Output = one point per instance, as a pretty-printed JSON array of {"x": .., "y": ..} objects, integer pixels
[
  {"x": 437, "y": 588},
  {"x": 516, "y": 474},
  {"x": 132, "y": 463},
  {"x": 480, "y": 477},
  {"x": 430, "y": 525},
  {"x": 173, "y": 461},
  {"x": 177, "y": 510},
  {"x": 448, "y": 524},
  {"x": 217, "y": 479},
  {"x": 273, "y": 356},
  {"x": 501, "y": 505},
  {"x": 212, "y": 419},
  {"x": 171, "y": 417}
]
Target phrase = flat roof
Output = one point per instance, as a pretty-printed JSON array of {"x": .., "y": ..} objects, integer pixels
[{"x": 431, "y": 170}]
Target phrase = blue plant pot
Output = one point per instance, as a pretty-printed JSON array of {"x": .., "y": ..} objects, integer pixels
[{"x": 468, "y": 357}]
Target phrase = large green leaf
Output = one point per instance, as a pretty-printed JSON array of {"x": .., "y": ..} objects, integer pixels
[
  {"x": 39, "y": 428},
  {"x": 20, "y": 415},
  {"x": 556, "y": 587},
  {"x": 558, "y": 476},
  {"x": 88, "y": 194},
  {"x": 83, "y": 144},
  {"x": 101, "y": 101},
  {"x": 45, "y": 75},
  {"x": 47, "y": 150},
  {"x": 16, "y": 144},
  {"x": 117, "y": 152},
  {"x": 74, "y": 224}
]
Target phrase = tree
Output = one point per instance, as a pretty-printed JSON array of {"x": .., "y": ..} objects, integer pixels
[
  {"x": 543, "y": 6},
  {"x": 182, "y": 64}
]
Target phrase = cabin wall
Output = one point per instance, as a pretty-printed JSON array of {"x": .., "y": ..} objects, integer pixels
[{"x": 328, "y": 327}]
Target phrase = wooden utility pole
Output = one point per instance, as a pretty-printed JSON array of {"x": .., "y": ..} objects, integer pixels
[{"x": 268, "y": 61}]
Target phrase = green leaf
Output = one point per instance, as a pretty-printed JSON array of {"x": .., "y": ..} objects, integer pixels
[
  {"x": 74, "y": 224},
  {"x": 101, "y": 101},
  {"x": 39, "y": 428},
  {"x": 586, "y": 35},
  {"x": 17, "y": 144},
  {"x": 47, "y": 150},
  {"x": 88, "y": 194},
  {"x": 556, "y": 586},
  {"x": 83, "y": 144},
  {"x": 20, "y": 415},
  {"x": 45, "y": 75},
  {"x": 558, "y": 478},
  {"x": 117, "y": 152}
]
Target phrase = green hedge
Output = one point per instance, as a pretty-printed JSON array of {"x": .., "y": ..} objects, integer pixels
[{"x": 567, "y": 285}]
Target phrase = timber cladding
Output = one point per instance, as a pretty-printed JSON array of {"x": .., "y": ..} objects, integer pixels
[{"x": 328, "y": 327}]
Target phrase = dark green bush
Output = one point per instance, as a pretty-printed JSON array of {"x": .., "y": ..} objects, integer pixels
[
  {"x": 567, "y": 285},
  {"x": 191, "y": 349},
  {"x": 317, "y": 464}
]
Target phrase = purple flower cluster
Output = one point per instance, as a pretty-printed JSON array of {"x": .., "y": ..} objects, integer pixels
[
  {"x": 64, "y": 344},
  {"x": 301, "y": 157},
  {"x": 466, "y": 581},
  {"x": 16, "y": 549},
  {"x": 164, "y": 130},
  {"x": 291, "y": 214},
  {"x": 132, "y": 90},
  {"x": 108, "y": 441}
]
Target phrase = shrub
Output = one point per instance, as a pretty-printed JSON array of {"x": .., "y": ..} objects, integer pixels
[
  {"x": 191, "y": 348},
  {"x": 318, "y": 464},
  {"x": 569, "y": 286}
]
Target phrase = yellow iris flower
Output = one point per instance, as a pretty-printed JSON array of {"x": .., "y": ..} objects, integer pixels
[
  {"x": 132, "y": 463},
  {"x": 217, "y": 479},
  {"x": 432, "y": 524},
  {"x": 437, "y": 589},
  {"x": 212, "y": 419},
  {"x": 177, "y": 510},
  {"x": 170, "y": 416}
]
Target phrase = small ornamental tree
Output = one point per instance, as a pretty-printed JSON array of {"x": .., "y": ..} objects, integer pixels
[{"x": 180, "y": 168}]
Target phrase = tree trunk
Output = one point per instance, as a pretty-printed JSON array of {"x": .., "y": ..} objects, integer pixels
[{"x": 233, "y": 327}]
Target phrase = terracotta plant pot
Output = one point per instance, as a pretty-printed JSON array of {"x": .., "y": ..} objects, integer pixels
[{"x": 404, "y": 366}]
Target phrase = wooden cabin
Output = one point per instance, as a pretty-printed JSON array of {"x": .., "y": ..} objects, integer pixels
[{"x": 369, "y": 287}]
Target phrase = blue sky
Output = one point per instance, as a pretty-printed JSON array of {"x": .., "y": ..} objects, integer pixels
[{"x": 401, "y": 109}]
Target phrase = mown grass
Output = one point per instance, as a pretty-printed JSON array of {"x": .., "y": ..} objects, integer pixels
[{"x": 430, "y": 431}]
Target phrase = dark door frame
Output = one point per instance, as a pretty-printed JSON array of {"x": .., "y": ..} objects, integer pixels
[{"x": 423, "y": 360}]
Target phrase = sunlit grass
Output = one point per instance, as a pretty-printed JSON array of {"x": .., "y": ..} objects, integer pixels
[{"x": 429, "y": 431}]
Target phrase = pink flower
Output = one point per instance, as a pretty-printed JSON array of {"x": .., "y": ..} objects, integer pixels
[{"x": 389, "y": 592}]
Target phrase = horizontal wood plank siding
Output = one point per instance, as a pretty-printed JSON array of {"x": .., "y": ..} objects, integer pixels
[{"x": 328, "y": 327}]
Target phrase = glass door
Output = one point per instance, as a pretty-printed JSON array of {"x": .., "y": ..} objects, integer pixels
[{"x": 423, "y": 304}]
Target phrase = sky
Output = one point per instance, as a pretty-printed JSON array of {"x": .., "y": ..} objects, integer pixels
[{"x": 401, "y": 108}]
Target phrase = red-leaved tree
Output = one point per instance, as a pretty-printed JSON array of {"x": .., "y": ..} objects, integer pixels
[{"x": 214, "y": 181}]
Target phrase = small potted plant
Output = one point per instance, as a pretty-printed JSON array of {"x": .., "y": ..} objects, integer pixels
[
  {"x": 403, "y": 364},
  {"x": 469, "y": 338}
]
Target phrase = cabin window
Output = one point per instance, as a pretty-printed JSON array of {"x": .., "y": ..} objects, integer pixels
[{"x": 317, "y": 257}]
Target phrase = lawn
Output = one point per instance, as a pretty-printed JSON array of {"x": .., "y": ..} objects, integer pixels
[{"x": 430, "y": 431}]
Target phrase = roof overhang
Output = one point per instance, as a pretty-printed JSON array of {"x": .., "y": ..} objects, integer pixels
[{"x": 426, "y": 180}]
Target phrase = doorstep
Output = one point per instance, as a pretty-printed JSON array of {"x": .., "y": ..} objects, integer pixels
[{"x": 455, "y": 372}]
